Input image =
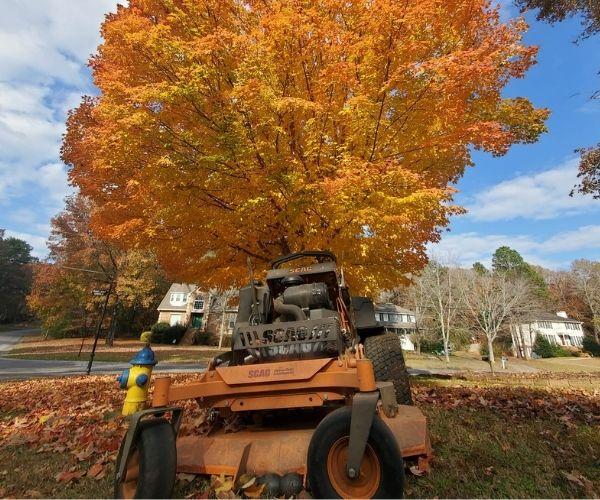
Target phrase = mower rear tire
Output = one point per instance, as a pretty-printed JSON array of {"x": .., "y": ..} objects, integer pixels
[
  {"x": 385, "y": 353},
  {"x": 151, "y": 464},
  {"x": 381, "y": 470}
]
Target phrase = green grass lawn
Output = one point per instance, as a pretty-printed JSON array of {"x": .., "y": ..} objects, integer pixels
[
  {"x": 462, "y": 361},
  {"x": 8, "y": 327},
  {"x": 117, "y": 357},
  {"x": 35, "y": 347},
  {"x": 482, "y": 454}
]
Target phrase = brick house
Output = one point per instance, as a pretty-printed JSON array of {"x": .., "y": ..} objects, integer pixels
[{"x": 185, "y": 304}]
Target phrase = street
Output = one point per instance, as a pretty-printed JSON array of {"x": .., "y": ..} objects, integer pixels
[{"x": 11, "y": 368}]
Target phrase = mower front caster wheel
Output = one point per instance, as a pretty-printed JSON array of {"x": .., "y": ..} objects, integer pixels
[
  {"x": 381, "y": 471},
  {"x": 152, "y": 462}
]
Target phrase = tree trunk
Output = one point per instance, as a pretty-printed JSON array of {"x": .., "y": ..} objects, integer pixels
[
  {"x": 111, "y": 328},
  {"x": 222, "y": 332},
  {"x": 446, "y": 353},
  {"x": 514, "y": 337},
  {"x": 491, "y": 350},
  {"x": 596, "y": 325},
  {"x": 491, "y": 355}
]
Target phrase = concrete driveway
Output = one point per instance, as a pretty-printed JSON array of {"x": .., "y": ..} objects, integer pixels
[
  {"x": 9, "y": 339},
  {"x": 11, "y": 369}
]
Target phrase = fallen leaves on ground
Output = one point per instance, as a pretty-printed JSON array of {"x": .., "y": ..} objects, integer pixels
[
  {"x": 567, "y": 405},
  {"x": 80, "y": 417}
]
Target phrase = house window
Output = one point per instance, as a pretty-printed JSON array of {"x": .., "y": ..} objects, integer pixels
[
  {"x": 412, "y": 319},
  {"x": 232, "y": 324},
  {"x": 175, "y": 319},
  {"x": 572, "y": 326},
  {"x": 545, "y": 324},
  {"x": 199, "y": 304},
  {"x": 178, "y": 298}
]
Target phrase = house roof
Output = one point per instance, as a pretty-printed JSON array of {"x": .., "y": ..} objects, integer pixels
[
  {"x": 555, "y": 318},
  {"x": 165, "y": 303},
  {"x": 393, "y": 308}
]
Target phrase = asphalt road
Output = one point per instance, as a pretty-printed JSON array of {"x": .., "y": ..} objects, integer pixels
[
  {"x": 12, "y": 369},
  {"x": 21, "y": 369}
]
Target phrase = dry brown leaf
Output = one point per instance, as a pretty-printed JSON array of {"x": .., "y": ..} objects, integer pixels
[
  {"x": 95, "y": 470},
  {"x": 255, "y": 491},
  {"x": 246, "y": 480},
  {"x": 416, "y": 471}
]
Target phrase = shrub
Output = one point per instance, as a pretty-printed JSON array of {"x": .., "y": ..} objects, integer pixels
[
  {"x": 158, "y": 332},
  {"x": 545, "y": 349},
  {"x": 591, "y": 346},
  {"x": 146, "y": 337},
  {"x": 173, "y": 334},
  {"x": 432, "y": 346},
  {"x": 207, "y": 337}
]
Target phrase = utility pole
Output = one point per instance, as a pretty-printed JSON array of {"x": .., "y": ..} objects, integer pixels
[{"x": 99, "y": 328}]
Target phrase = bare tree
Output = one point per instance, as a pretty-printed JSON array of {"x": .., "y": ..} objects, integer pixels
[
  {"x": 438, "y": 284},
  {"x": 220, "y": 301},
  {"x": 587, "y": 280},
  {"x": 490, "y": 299}
]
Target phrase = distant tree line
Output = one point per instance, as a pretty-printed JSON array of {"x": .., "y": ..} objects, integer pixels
[
  {"x": 69, "y": 288},
  {"x": 455, "y": 306},
  {"x": 15, "y": 278}
]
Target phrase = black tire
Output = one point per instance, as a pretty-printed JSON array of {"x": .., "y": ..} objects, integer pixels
[
  {"x": 157, "y": 453},
  {"x": 381, "y": 444},
  {"x": 385, "y": 353}
]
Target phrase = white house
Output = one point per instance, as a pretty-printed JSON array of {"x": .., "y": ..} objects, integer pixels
[
  {"x": 556, "y": 328},
  {"x": 398, "y": 320}
]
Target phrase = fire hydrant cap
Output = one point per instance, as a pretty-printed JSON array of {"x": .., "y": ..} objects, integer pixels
[
  {"x": 144, "y": 357},
  {"x": 122, "y": 379},
  {"x": 141, "y": 380}
]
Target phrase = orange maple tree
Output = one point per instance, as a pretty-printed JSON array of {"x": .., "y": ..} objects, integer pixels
[{"x": 228, "y": 129}]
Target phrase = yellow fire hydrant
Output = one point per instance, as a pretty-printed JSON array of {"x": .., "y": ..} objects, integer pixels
[{"x": 137, "y": 380}]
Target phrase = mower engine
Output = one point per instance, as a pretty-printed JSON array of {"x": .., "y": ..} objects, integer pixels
[{"x": 292, "y": 317}]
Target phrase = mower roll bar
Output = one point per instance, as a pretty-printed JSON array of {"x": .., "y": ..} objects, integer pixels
[{"x": 320, "y": 255}]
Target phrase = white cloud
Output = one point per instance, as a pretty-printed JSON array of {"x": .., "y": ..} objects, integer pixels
[
  {"x": 53, "y": 178},
  {"x": 569, "y": 241},
  {"x": 543, "y": 195},
  {"x": 466, "y": 248},
  {"x": 44, "y": 48},
  {"x": 37, "y": 242}
]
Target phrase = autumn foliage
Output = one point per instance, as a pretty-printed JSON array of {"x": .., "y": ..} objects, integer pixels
[
  {"x": 80, "y": 262},
  {"x": 228, "y": 129}
]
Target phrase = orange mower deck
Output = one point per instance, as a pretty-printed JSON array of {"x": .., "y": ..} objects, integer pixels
[
  {"x": 281, "y": 451},
  {"x": 276, "y": 386}
]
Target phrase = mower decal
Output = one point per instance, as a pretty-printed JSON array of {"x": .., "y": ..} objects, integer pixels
[
  {"x": 265, "y": 372},
  {"x": 272, "y": 372}
]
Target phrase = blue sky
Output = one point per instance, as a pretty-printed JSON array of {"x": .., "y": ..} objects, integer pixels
[{"x": 520, "y": 200}]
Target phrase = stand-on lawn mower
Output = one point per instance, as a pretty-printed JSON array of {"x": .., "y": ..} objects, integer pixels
[{"x": 313, "y": 390}]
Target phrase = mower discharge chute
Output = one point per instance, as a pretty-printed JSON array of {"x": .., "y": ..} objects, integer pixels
[{"x": 313, "y": 390}]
